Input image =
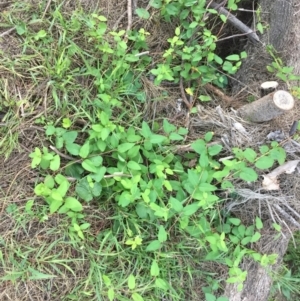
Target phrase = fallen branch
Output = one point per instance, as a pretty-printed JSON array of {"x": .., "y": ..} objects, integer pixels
[
  {"x": 129, "y": 15},
  {"x": 236, "y": 22},
  {"x": 185, "y": 100},
  {"x": 61, "y": 154},
  {"x": 270, "y": 181},
  {"x": 219, "y": 93}
]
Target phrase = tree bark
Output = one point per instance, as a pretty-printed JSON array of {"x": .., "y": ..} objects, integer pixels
[
  {"x": 282, "y": 18},
  {"x": 283, "y": 32},
  {"x": 268, "y": 107},
  {"x": 259, "y": 279}
]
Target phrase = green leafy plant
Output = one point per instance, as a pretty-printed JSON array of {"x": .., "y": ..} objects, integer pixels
[
  {"x": 164, "y": 206},
  {"x": 284, "y": 73},
  {"x": 138, "y": 170},
  {"x": 191, "y": 54}
]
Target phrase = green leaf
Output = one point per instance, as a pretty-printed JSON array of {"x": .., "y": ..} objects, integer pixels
[
  {"x": 233, "y": 57},
  {"x": 106, "y": 280},
  {"x": 104, "y": 118},
  {"x": 234, "y": 239},
  {"x": 214, "y": 149},
  {"x": 223, "y": 18},
  {"x": 70, "y": 136},
  {"x": 83, "y": 190},
  {"x": 133, "y": 138},
  {"x": 97, "y": 160},
  {"x": 142, "y": 13},
  {"x": 111, "y": 294},
  {"x": 241, "y": 230},
  {"x": 210, "y": 297},
  {"x": 133, "y": 151},
  {"x": 49, "y": 181},
  {"x": 146, "y": 131},
  {"x": 243, "y": 55},
  {"x": 182, "y": 131},
  {"x": 66, "y": 123},
  {"x": 133, "y": 165},
  {"x": 98, "y": 176},
  {"x": 190, "y": 209},
  {"x": 234, "y": 221},
  {"x": 85, "y": 226},
  {"x": 137, "y": 297},
  {"x": 124, "y": 147},
  {"x": 248, "y": 174},
  {"x": 249, "y": 230},
  {"x": 105, "y": 133},
  {"x": 154, "y": 271},
  {"x": 199, "y": 146},
  {"x": 153, "y": 246},
  {"x": 55, "y": 195},
  {"x": 41, "y": 34},
  {"x": 36, "y": 275},
  {"x": 260, "y": 28},
  {"x": 258, "y": 223},
  {"x": 73, "y": 204},
  {"x": 204, "y": 160},
  {"x": 84, "y": 150},
  {"x": 157, "y": 139},
  {"x": 207, "y": 187},
  {"x": 264, "y": 149},
  {"x": 175, "y": 204},
  {"x": 59, "y": 179},
  {"x": 279, "y": 154},
  {"x": 246, "y": 240},
  {"x": 88, "y": 165},
  {"x": 36, "y": 156},
  {"x": 155, "y": 3},
  {"x": 218, "y": 60},
  {"x": 264, "y": 162},
  {"x": 250, "y": 155},
  {"x": 208, "y": 136},
  {"x": 276, "y": 227},
  {"x": 204, "y": 97},
  {"x": 54, "y": 206},
  {"x": 73, "y": 148},
  {"x": 50, "y": 130},
  {"x": 175, "y": 137},
  {"x": 162, "y": 284},
  {"x": 131, "y": 282},
  {"x": 63, "y": 188},
  {"x": 255, "y": 237},
  {"x": 162, "y": 234}
]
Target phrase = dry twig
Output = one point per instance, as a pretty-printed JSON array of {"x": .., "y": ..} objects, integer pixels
[
  {"x": 219, "y": 93},
  {"x": 185, "y": 100},
  {"x": 61, "y": 154},
  {"x": 129, "y": 14},
  {"x": 46, "y": 9}
]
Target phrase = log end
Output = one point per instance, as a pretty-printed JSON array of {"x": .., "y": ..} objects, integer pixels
[
  {"x": 283, "y": 100},
  {"x": 268, "y": 87}
]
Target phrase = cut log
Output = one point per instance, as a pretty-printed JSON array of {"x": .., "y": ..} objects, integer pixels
[
  {"x": 268, "y": 107},
  {"x": 267, "y": 88}
]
